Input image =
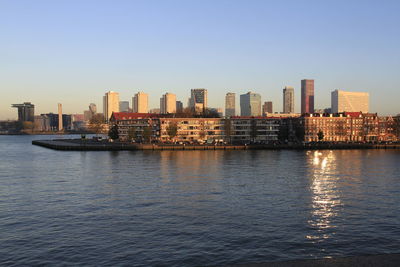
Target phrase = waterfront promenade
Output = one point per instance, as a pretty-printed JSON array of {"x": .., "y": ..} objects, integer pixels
[{"x": 91, "y": 145}]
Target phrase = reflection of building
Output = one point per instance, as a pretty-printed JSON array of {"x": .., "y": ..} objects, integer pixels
[
  {"x": 198, "y": 99},
  {"x": 140, "y": 103},
  {"x": 307, "y": 96},
  {"x": 267, "y": 108},
  {"x": 288, "y": 99},
  {"x": 250, "y": 104},
  {"x": 168, "y": 103},
  {"x": 230, "y": 105},
  {"x": 110, "y": 104},
  {"x": 343, "y": 101},
  {"x": 26, "y": 111}
]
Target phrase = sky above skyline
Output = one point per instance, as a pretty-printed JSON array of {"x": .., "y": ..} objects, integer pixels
[{"x": 72, "y": 52}]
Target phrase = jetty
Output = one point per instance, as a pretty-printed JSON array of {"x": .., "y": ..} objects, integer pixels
[{"x": 104, "y": 145}]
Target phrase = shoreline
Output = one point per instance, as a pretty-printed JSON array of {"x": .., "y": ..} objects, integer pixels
[{"x": 90, "y": 145}]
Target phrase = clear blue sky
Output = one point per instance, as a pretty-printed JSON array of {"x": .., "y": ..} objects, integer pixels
[{"x": 74, "y": 51}]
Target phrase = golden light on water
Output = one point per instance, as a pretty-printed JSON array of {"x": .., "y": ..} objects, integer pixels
[{"x": 325, "y": 196}]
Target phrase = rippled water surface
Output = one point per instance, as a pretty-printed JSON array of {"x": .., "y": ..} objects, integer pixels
[{"x": 190, "y": 208}]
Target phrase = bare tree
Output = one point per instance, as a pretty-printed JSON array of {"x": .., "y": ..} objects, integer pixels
[{"x": 96, "y": 124}]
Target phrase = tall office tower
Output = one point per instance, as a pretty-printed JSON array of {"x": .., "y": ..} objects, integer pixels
[
  {"x": 168, "y": 103},
  {"x": 343, "y": 101},
  {"x": 198, "y": 99},
  {"x": 110, "y": 104},
  {"x": 140, "y": 103},
  {"x": 307, "y": 96},
  {"x": 230, "y": 105},
  {"x": 93, "y": 108},
  {"x": 288, "y": 100},
  {"x": 60, "y": 117},
  {"x": 123, "y": 106},
  {"x": 26, "y": 111},
  {"x": 267, "y": 108},
  {"x": 179, "y": 106},
  {"x": 250, "y": 104}
]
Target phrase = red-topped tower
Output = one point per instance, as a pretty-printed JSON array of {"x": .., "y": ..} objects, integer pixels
[{"x": 307, "y": 96}]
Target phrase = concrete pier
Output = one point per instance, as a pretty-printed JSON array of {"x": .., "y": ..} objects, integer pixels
[{"x": 91, "y": 145}]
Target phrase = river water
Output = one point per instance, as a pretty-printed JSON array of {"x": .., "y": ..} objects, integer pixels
[{"x": 191, "y": 208}]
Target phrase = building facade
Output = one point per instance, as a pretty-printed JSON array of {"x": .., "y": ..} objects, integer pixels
[
  {"x": 26, "y": 111},
  {"x": 198, "y": 100},
  {"x": 123, "y": 106},
  {"x": 179, "y": 106},
  {"x": 307, "y": 96},
  {"x": 267, "y": 108},
  {"x": 342, "y": 101},
  {"x": 110, "y": 104},
  {"x": 168, "y": 103},
  {"x": 342, "y": 127},
  {"x": 250, "y": 104},
  {"x": 230, "y": 105},
  {"x": 288, "y": 99},
  {"x": 140, "y": 103}
]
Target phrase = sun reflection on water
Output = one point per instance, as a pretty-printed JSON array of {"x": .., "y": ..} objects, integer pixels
[{"x": 325, "y": 201}]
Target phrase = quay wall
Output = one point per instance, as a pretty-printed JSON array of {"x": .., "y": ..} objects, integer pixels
[{"x": 78, "y": 145}]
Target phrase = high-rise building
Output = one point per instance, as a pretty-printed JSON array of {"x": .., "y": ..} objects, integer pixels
[
  {"x": 198, "y": 99},
  {"x": 26, "y": 111},
  {"x": 267, "y": 108},
  {"x": 230, "y": 105},
  {"x": 288, "y": 100},
  {"x": 250, "y": 104},
  {"x": 343, "y": 101},
  {"x": 168, "y": 103},
  {"x": 123, "y": 106},
  {"x": 93, "y": 108},
  {"x": 110, "y": 104},
  {"x": 307, "y": 96},
  {"x": 140, "y": 103},
  {"x": 60, "y": 117},
  {"x": 179, "y": 106}
]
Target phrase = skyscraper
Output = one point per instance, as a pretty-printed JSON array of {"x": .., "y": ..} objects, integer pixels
[
  {"x": 198, "y": 99},
  {"x": 110, "y": 104},
  {"x": 26, "y": 111},
  {"x": 343, "y": 101},
  {"x": 168, "y": 103},
  {"x": 307, "y": 96},
  {"x": 140, "y": 103},
  {"x": 230, "y": 105},
  {"x": 93, "y": 108},
  {"x": 288, "y": 99},
  {"x": 60, "y": 117},
  {"x": 267, "y": 108},
  {"x": 179, "y": 106},
  {"x": 250, "y": 104},
  {"x": 123, "y": 106}
]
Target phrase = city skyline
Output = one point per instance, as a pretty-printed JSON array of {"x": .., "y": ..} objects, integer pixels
[{"x": 48, "y": 59}]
